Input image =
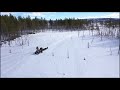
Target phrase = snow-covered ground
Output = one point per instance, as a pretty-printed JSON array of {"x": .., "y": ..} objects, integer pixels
[{"x": 67, "y": 56}]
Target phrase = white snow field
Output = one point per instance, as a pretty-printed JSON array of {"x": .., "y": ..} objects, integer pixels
[{"x": 67, "y": 56}]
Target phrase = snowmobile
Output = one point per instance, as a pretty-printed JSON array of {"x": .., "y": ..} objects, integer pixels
[{"x": 38, "y": 51}]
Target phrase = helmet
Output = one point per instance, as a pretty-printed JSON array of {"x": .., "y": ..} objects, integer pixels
[{"x": 37, "y": 47}]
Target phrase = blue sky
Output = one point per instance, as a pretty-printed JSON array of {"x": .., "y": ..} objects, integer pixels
[{"x": 62, "y": 15}]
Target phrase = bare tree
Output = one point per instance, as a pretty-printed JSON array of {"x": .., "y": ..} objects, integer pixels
[
  {"x": 88, "y": 44},
  {"x": 110, "y": 51},
  {"x": 67, "y": 53},
  {"x": 101, "y": 35},
  {"x": 52, "y": 54},
  {"x": 78, "y": 33},
  {"x": 83, "y": 33},
  {"x": 119, "y": 49},
  {"x": 28, "y": 42},
  {"x": 92, "y": 40},
  {"x": 10, "y": 51}
]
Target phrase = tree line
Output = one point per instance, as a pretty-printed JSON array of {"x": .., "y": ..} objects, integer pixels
[{"x": 12, "y": 27}]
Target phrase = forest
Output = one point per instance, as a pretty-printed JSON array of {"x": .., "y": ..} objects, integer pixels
[{"x": 12, "y": 27}]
